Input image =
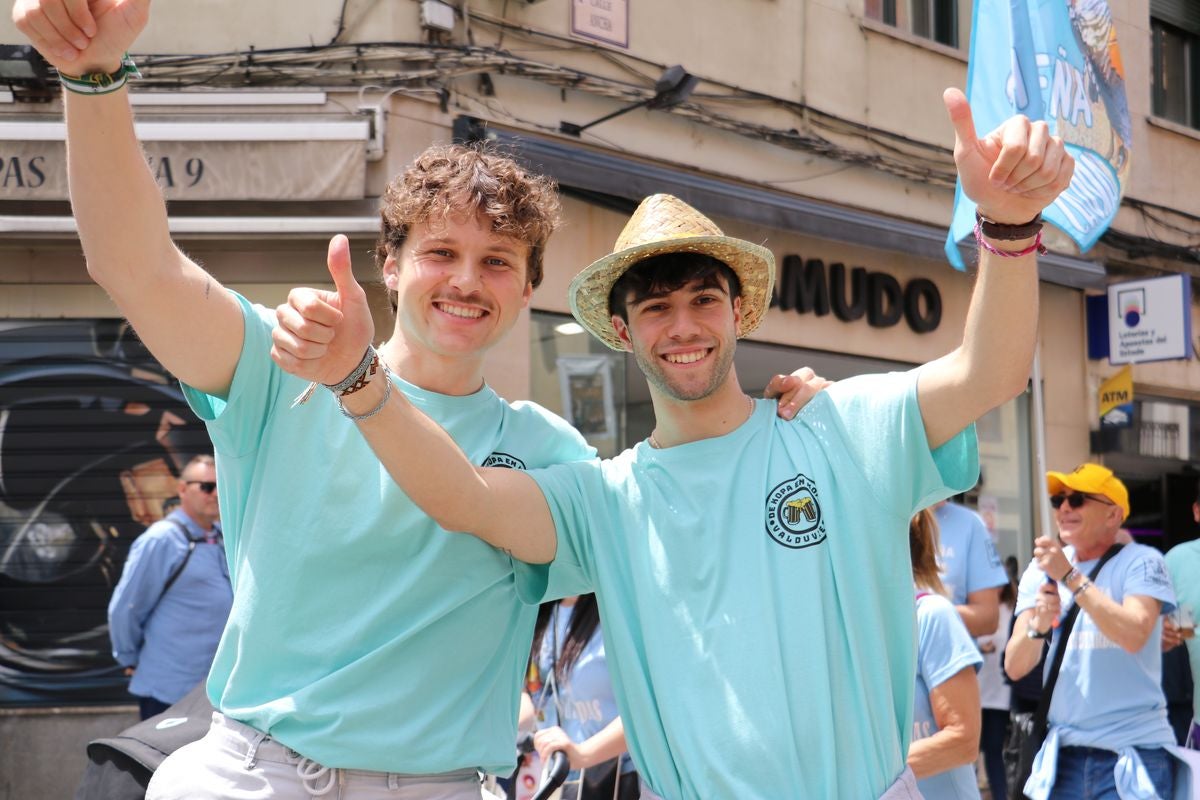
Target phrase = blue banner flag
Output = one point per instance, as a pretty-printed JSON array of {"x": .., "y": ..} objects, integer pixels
[{"x": 1058, "y": 61}]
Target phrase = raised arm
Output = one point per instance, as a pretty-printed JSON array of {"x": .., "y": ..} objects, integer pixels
[
  {"x": 1011, "y": 174},
  {"x": 188, "y": 321},
  {"x": 322, "y": 337}
]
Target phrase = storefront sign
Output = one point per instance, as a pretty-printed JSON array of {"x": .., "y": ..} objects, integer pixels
[
  {"x": 1149, "y": 320},
  {"x": 1116, "y": 400},
  {"x": 809, "y": 287},
  {"x": 603, "y": 20},
  {"x": 197, "y": 170}
]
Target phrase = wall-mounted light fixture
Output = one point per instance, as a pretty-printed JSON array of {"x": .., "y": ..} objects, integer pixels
[{"x": 674, "y": 87}]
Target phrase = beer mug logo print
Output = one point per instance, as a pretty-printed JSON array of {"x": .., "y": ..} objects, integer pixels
[{"x": 794, "y": 516}]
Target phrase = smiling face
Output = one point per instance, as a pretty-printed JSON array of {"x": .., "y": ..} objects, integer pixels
[
  {"x": 683, "y": 340},
  {"x": 460, "y": 286},
  {"x": 1091, "y": 528}
]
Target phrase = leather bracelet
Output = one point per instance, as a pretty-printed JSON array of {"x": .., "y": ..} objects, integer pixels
[
  {"x": 1036, "y": 247},
  {"x": 1071, "y": 573},
  {"x": 1003, "y": 232}
]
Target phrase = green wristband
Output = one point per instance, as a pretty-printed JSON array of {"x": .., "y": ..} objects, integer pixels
[{"x": 100, "y": 82}]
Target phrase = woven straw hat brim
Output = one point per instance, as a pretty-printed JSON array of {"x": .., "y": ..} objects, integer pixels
[{"x": 753, "y": 264}]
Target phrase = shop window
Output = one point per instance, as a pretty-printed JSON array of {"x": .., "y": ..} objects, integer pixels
[
  {"x": 1160, "y": 429},
  {"x": 1175, "y": 73},
  {"x": 929, "y": 19},
  {"x": 580, "y": 379},
  {"x": 1002, "y": 496}
]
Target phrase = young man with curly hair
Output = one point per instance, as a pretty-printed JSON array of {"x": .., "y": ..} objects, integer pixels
[{"x": 367, "y": 653}]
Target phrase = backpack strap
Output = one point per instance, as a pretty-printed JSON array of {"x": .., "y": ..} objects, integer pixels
[
  {"x": 191, "y": 542},
  {"x": 1064, "y": 632}
]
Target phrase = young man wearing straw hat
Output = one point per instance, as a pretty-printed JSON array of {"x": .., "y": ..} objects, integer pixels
[{"x": 759, "y": 631}]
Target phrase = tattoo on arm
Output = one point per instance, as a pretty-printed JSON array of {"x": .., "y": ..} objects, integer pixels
[{"x": 207, "y": 287}]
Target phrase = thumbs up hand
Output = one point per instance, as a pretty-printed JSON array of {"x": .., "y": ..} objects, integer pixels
[
  {"x": 1012, "y": 173},
  {"x": 77, "y": 36},
  {"x": 322, "y": 335}
]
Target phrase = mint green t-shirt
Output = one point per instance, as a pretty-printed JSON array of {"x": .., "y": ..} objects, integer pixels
[
  {"x": 1183, "y": 562},
  {"x": 362, "y": 635},
  {"x": 756, "y": 592}
]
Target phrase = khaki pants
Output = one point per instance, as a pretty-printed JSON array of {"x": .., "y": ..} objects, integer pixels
[{"x": 236, "y": 762}]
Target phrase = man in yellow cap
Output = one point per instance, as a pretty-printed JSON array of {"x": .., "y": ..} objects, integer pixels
[{"x": 1107, "y": 716}]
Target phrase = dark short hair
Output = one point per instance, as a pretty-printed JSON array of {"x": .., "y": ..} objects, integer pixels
[{"x": 667, "y": 272}]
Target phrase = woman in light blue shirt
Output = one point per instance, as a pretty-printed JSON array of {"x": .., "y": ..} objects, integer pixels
[
  {"x": 946, "y": 714},
  {"x": 576, "y": 710}
]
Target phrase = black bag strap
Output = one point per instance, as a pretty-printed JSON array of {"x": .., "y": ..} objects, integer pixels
[
  {"x": 176, "y": 572},
  {"x": 1043, "y": 709}
]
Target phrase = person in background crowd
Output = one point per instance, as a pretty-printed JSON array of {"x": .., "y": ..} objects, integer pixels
[
  {"x": 1107, "y": 720},
  {"x": 995, "y": 695},
  {"x": 1183, "y": 562},
  {"x": 971, "y": 568},
  {"x": 946, "y": 720},
  {"x": 575, "y": 709},
  {"x": 167, "y": 612}
]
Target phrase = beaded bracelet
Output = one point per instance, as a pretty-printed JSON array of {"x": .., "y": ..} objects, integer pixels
[{"x": 100, "y": 82}]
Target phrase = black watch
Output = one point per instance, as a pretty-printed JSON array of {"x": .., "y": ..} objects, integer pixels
[{"x": 1033, "y": 633}]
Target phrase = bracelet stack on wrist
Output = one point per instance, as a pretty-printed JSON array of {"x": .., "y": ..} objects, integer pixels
[
  {"x": 359, "y": 377},
  {"x": 1003, "y": 232},
  {"x": 358, "y": 380},
  {"x": 1071, "y": 573},
  {"x": 100, "y": 82}
]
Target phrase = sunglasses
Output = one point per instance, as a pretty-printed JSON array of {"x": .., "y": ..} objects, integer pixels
[
  {"x": 208, "y": 487},
  {"x": 1075, "y": 500}
]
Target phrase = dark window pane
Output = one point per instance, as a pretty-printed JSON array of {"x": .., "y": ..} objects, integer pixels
[
  {"x": 946, "y": 22},
  {"x": 1170, "y": 73},
  {"x": 922, "y": 18}
]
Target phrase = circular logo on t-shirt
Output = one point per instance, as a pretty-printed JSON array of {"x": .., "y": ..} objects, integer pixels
[
  {"x": 794, "y": 514},
  {"x": 503, "y": 460}
]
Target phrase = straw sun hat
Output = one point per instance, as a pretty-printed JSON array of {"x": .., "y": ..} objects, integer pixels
[{"x": 666, "y": 224}]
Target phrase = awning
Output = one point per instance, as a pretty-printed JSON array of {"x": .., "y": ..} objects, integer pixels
[
  {"x": 205, "y": 159},
  {"x": 294, "y": 227},
  {"x": 606, "y": 173}
]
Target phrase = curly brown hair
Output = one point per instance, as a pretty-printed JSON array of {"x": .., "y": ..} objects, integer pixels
[{"x": 449, "y": 180}]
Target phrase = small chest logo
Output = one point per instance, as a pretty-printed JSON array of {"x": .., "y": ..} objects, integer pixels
[
  {"x": 794, "y": 516},
  {"x": 503, "y": 460}
]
